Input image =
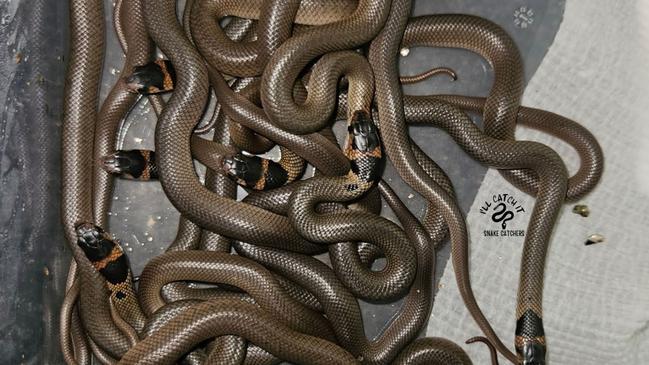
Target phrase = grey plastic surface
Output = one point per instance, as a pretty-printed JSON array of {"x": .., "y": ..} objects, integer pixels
[
  {"x": 33, "y": 258},
  {"x": 33, "y": 255}
]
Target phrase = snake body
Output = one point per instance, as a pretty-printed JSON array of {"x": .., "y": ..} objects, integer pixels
[
  {"x": 281, "y": 72},
  {"x": 80, "y": 115}
]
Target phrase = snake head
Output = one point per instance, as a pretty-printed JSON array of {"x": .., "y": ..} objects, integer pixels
[
  {"x": 130, "y": 164},
  {"x": 153, "y": 78},
  {"x": 115, "y": 163},
  {"x": 533, "y": 353},
  {"x": 236, "y": 165},
  {"x": 363, "y": 149},
  {"x": 104, "y": 253},
  {"x": 247, "y": 170},
  {"x": 94, "y": 242},
  {"x": 363, "y": 133},
  {"x": 255, "y": 172}
]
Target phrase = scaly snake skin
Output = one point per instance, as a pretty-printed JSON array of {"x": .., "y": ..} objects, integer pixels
[{"x": 273, "y": 301}]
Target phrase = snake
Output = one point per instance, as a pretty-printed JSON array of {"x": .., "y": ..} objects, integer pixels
[
  {"x": 289, "y": 38},
  {"x": 79, "y": 120}
]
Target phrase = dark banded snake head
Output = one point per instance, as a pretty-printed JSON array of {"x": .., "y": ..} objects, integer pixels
[
  {"x": 255, "y": 172},
  {"x": 153, "y": 78},
  {"x": 533, "y": 353},
  {"x": 246, "y": 170},
  {"x": 94, "y": 242},
  {"x": 363, "y": 133},
  {"x": 363, "y": 148},
  {"x": 103, "y": 252},
  {"x": 131, "y": 164}
]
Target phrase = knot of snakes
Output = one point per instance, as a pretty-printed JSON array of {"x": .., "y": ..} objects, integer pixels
[{"x": 278, "y": 71}]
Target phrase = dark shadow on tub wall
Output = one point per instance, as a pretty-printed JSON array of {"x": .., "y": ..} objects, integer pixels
[{"x": 33, "y": 257}]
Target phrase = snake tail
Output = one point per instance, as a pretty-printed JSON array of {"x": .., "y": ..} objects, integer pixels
[{"x": 492, "y": 349}]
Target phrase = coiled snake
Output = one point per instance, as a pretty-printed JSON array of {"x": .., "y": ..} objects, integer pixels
[{"x": 296, "y": 66}]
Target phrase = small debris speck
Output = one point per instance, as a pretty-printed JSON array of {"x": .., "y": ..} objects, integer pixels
[
  {"x": 581, "y": 209},
  {"x": 593, "y": 239}
]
